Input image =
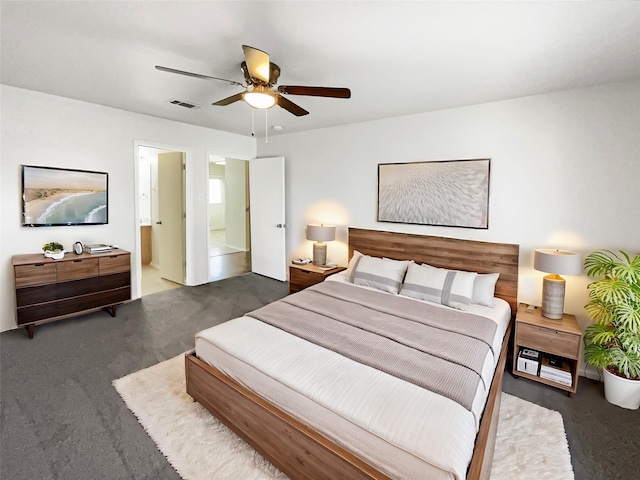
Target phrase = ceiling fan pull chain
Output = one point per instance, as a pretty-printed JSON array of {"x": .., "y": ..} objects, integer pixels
[
  {"x": 253, "y": 127},
  {"x": 266, "y": 127}
]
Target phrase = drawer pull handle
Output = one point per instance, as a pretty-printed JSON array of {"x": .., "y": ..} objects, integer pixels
[
  {"x": 39, "y": 265},
  {"x": 77, "y": 261}
]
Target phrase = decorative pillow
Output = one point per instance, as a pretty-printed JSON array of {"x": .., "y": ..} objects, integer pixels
[
  {"x": 351, "y": 268},
  {"x": 452, "y": 288},
  {"x": 381, "y": 273},
  {"x": 484, "y": 288}
]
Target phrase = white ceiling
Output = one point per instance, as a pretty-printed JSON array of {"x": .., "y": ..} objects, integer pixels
[{"x": 397, "y": 58}]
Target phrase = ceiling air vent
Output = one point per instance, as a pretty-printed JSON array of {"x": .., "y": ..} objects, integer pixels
[{"x": 180, "y": 103}]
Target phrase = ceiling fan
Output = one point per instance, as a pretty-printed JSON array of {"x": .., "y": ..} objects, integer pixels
[{"x": 261, "y": 77}]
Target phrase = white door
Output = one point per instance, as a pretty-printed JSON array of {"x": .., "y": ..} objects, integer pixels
[
  {"x": 171, "y": 221},
  {"x": 266, "y": 194}
]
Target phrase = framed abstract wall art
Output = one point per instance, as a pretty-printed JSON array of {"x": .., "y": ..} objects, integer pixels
[{"x": 451, "y": 193}]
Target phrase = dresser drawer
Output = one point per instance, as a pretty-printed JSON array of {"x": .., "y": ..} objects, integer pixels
[
  {"x": 75, "y": 288},
  {"x": 114, "y": 263},
  {"x": 116, "y": 280},
  {"x": 548, "y": 340},
  {"x": 36, "y": 274},
  {"x": 81, "y": 268},
  {"x": 40, "y": 294},
  {"x": 304, "y": 278},
  {"x": 97, "y": 300},
  {"x": 37, "y": 312}
]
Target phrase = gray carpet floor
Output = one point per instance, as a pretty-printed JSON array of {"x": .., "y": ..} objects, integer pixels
[{"x": 62, "y": 419}]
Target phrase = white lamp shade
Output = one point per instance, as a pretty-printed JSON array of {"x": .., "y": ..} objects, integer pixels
[
  {"x": 259, "y": 100},
  {"x": 559, "y": 262},
  {"x": 321, "y": 233},
  {"x": 260, "y": 97}
]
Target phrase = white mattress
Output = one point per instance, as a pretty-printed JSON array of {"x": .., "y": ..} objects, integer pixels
[{"x": 400, "y": 428}]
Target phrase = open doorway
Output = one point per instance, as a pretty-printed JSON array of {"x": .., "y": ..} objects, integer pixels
[
  {"x": 229, "y": 222},
  {"x": 162, "y": 220}
]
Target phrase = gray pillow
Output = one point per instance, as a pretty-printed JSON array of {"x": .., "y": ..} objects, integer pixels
[
  {"x": 484, "y": 288},
  {"x": 452, "y": 288},
  {"x": 381, "y": 273}
]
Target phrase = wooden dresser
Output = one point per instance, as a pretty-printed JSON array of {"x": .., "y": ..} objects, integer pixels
[{"x": 49, "y": 290}]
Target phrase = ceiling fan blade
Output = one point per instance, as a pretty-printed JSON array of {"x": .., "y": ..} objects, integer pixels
[
  {"x": 196, "y": 75},
  {"x": 228, "y": 100},
  {"x": 288, "y": 105},
  {"x": 257, "y": 63},
  {"x": 315, "y": 91}
]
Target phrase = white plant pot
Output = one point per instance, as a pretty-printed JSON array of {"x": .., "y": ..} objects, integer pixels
[
  {"x": 620, "y": 391},
  {"x": 55, "y": 256}
]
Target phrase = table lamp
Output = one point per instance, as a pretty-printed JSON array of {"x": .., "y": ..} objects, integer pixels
[
  {"x": 555, "y": 262},
  {"x": 319, "y": 234}
]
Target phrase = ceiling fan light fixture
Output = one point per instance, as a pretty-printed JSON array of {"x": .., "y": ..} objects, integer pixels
[{"x": 260, "y": 97}]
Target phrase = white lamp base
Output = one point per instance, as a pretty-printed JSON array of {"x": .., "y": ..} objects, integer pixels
[
  {"x": 553, "y": 296},
  {"x": 319, "y": 253}
]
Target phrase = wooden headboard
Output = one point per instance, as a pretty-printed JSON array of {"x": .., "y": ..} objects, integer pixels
[{"x": 451, "y": 253}]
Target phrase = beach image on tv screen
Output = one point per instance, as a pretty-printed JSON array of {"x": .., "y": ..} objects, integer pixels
[{"x": 64, "y": 196}]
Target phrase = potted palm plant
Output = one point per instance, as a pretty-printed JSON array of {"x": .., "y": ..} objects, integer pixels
[{"x": 613, "y": 341}]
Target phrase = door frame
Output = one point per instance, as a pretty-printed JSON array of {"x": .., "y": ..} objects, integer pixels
[
  {"x": 136, "y": 267},
  {"x": 214, "y": 153}
]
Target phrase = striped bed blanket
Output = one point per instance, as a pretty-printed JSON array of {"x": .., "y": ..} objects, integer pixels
[{"x": 442, "y": 350}]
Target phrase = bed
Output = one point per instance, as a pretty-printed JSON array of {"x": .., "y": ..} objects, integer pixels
[{"x": 308, "y": 432}]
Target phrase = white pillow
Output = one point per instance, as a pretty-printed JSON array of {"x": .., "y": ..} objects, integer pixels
[
  {"x": 381, "y": 273},
  {"x": 452, "y": 288},
  {"x": 351, "y": 268},
  {"x": 484, "y": 288}
]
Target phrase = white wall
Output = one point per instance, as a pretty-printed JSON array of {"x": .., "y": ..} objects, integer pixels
[
  {"x": 236, "y": 203},
  {"x": 148, "y": 186},
  {"x": 565, "y": 173},
  {"x": 146, "y": 159},
  {"x": 41, "y": 129},
  {"x": 217, "y": 220}
]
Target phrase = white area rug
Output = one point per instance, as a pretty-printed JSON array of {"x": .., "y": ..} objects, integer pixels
[{"x": 531, "y": 441}]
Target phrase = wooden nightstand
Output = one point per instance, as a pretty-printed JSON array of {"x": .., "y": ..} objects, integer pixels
[
  {"x": 561, "y": 338},
  {"x": 303, "y": 276}
]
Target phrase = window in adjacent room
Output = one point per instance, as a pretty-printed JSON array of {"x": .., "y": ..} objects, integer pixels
[{"x": 216, "y": 190}]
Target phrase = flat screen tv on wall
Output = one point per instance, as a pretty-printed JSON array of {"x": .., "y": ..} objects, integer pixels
[{"x": 62, "y": 196}]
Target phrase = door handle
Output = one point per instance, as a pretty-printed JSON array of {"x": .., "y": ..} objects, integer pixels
[
  {"x": 280, "y": 225},
  {"x": 158, "y": 223}
]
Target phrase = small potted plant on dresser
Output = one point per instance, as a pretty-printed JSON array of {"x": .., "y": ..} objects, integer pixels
[
  {"x": 53, "y": 250},
  {"x": 614, "y": 340}
]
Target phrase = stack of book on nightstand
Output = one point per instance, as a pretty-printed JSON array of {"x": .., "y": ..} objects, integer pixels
[{"x": 556, "y": 370}]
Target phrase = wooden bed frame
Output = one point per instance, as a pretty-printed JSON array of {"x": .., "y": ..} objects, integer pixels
[{"x": 301, "y": 452}]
